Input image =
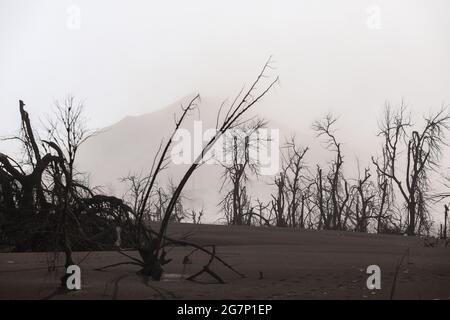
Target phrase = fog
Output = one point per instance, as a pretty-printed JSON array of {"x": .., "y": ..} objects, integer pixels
[{"x": 132, "y": 57}]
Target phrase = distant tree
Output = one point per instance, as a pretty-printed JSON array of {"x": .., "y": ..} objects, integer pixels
[
  {"x": 320, "y": 200},
  {"x": 260, "y": 213},
  {"x": 136, "y": 186},
  {"x": 196, "y": 216},
  {"x": 365, "y": 193},
  {"x": 385, "y": 197},
  {"x": 66, "y": 134},
  {"x": 289, "y": 199},
  {"x": 278, "y": 204},
  {"x": 422, "y": 150},
  {"x": 238, "y": 166},
  {"x": 294, "y": 168},
  {"x": 338, "y": 186}
]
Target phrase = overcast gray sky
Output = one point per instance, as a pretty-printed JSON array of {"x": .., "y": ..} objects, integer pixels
[{"x": 132, "y": 57}]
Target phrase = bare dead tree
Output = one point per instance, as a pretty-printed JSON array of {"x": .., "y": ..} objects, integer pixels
[
  {"x": 294, "y": 168},
  {"x": 136, "y": 187},
  {"x": 260, "y": 213},
  {"x": 158, "y": 199},
  {"x": 339, "y": 191},
  {"x": 309, "y": 218},
  {"x": 278, "y": 205},
  {"x": 197, "y": 215},
  {"x": 365, "y": 194},
  {"x": 238, "y": 166},
  {"x": 51, "y": 196},
  {"x": 31, "y": 183},
  {"x": 22, "y": 182},
  {"x": 150, "y": 243},
  {"x": 231, "y": 120},
  {"x": 423, "y": 149},
  {"x": 385, "y": 194},
  {"x": 320, "y": 200},
  {"x": 289, "y": 199},
  {"x": 66, "y": 134}
]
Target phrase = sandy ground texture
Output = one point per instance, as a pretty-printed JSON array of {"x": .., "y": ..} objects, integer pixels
[{"x": 278, "y": 264}]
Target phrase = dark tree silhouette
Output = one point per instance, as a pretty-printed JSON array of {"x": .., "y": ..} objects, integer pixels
[
  {"x": 338, "y": 186},
  {"x": 236, "y": 203},
  {"x": 150, "y": 243},
  {"x": 294, "y": 168},
  {"x": 423, "y": 150}
]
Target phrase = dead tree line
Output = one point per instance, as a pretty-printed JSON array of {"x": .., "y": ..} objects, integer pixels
[
  {"x": 422, "y": 149},
  {"x": 393, "y": 195}
]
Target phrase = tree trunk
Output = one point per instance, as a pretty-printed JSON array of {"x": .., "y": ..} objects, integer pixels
[
  {"x": 152, "y": 266},
  {"x": 412, "y": 219}
]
